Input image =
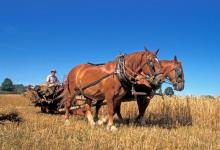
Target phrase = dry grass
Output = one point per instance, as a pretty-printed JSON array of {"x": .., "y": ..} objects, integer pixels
[{"x": 170, "y": 124}]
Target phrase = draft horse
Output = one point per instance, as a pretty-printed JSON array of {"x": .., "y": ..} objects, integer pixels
[
  {"x": 110, "y": 81},
  {"x": 172, "y": 71}
]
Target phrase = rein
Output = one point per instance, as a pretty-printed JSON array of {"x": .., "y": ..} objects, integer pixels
[
  {"x": 91, "y": 84},
  {"x": 97, "y": 81}
]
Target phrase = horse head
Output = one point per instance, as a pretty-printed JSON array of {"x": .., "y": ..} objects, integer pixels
[
  {"x": 151, "y": 56},
  {"x": 153, "y": 69},
  {"x": 176, "y": 75}
]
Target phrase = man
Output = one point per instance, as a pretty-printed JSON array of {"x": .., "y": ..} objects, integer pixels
[
  {"x": 52, "y": 79},
  {"x": 49, "y": 87},
  {"x": 52, "y": 83}
]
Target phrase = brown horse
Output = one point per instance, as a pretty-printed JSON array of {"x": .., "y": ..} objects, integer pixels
[
  {"x": 171, "y": 70},
  {"x": 110, "y": 81}
]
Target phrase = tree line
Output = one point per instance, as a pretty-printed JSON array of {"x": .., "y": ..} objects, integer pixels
[{"x": 7, "y": 86}]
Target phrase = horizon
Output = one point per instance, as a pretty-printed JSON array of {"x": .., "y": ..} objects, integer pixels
[{"x": 40, "y": 35}]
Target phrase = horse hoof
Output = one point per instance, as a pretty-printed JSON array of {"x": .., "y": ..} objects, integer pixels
[
  {"x": 67, "y": 123},
  {"x": 92, "y": 124},
  {"x": 142, "y": 122},
  {"x": 112, "y": 128},
  {"x": 121, "y": 121},
  {"x": 100, "y": 122}
]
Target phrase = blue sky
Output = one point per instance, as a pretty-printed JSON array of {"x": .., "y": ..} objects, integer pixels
[{"x": 37, "y": 35}]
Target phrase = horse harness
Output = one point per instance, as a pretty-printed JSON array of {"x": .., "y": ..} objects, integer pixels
[{"x": 120, "y": 72}]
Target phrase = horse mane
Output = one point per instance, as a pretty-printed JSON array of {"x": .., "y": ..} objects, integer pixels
[
  {"x": 164, "y": 63},
  {"x": 170, "y": 61},
  {"x": 134, "y": 60}
]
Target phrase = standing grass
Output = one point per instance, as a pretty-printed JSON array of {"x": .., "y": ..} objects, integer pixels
[{"x": 172, "y": 123}]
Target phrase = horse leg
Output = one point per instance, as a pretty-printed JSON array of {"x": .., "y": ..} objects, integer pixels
[
  {"x": 96, "y": 116},
  {"x": 97, "y": 108},
  {"x": 111, "y": 109},
  {"x": 67, "y": 108},
  {"x": 89, "y": 113},
  {"x": 118, "y": 111},
  {"x": 68, "y": 103},
  {"x": 142, "y": 106}
]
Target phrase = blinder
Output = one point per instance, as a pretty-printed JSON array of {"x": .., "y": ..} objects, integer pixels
[
  {"x": 178, "y": 74},
  {"x": 153, "y": 77}
]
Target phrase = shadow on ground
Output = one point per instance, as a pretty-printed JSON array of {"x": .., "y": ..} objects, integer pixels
[
  {"x": 160, "y": 120},
  {"x": 10, "y": 117}
]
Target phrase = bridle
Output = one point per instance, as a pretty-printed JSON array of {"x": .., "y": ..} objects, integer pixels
[
  {"x": 123, "y": 72},
  {"x": 152, "y": 77},
  {"x": 155, "y": 74},
  {"x": 178, "y": 73}
]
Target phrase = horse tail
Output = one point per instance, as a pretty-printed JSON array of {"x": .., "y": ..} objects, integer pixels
[
  {"x": 69, "y": 92},
  {"x": 67, "y": 85},
  {"x": 65, "y": 93}
]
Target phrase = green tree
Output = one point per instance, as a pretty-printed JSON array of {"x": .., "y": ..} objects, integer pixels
[
  {"x": 19, "y": 88},
  {"x": 7, "y": 85},
  {"x": 169, "y": 91}
]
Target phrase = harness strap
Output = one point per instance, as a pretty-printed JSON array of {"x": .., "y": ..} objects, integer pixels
[
  {"x": 97, "y": 81},
  {"x": 80, "y": 90},
  {"x": 120, "y": 71}
]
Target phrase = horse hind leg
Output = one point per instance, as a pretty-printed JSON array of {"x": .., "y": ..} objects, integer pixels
[
  {"x": 97, "y": 108},
  {"x": 67, "y": 113},
  {"x": 89, "y": 113},
  {"x": 68, "y": 104},
  {"x": 111, "y": 113}
]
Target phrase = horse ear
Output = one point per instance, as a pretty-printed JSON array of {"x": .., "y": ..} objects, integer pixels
[
  {"x": 145, "y": 49},
  {"x": 175, "y": 58},
  {"x": 156, "y": 52}
]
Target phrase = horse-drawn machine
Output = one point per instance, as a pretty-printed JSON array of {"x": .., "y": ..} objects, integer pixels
[
  {"x": 49, "y": 99},
  {"x": 137, "y": 75}
]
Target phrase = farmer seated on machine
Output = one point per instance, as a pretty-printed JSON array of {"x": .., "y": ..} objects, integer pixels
[
  {"x": 52, "y": 79},
  {"x": 52, "y": 87},
  {"x": 52, "y": 83}
]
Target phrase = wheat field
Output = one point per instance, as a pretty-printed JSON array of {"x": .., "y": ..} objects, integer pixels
[{"x": 173, "y": 123}]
